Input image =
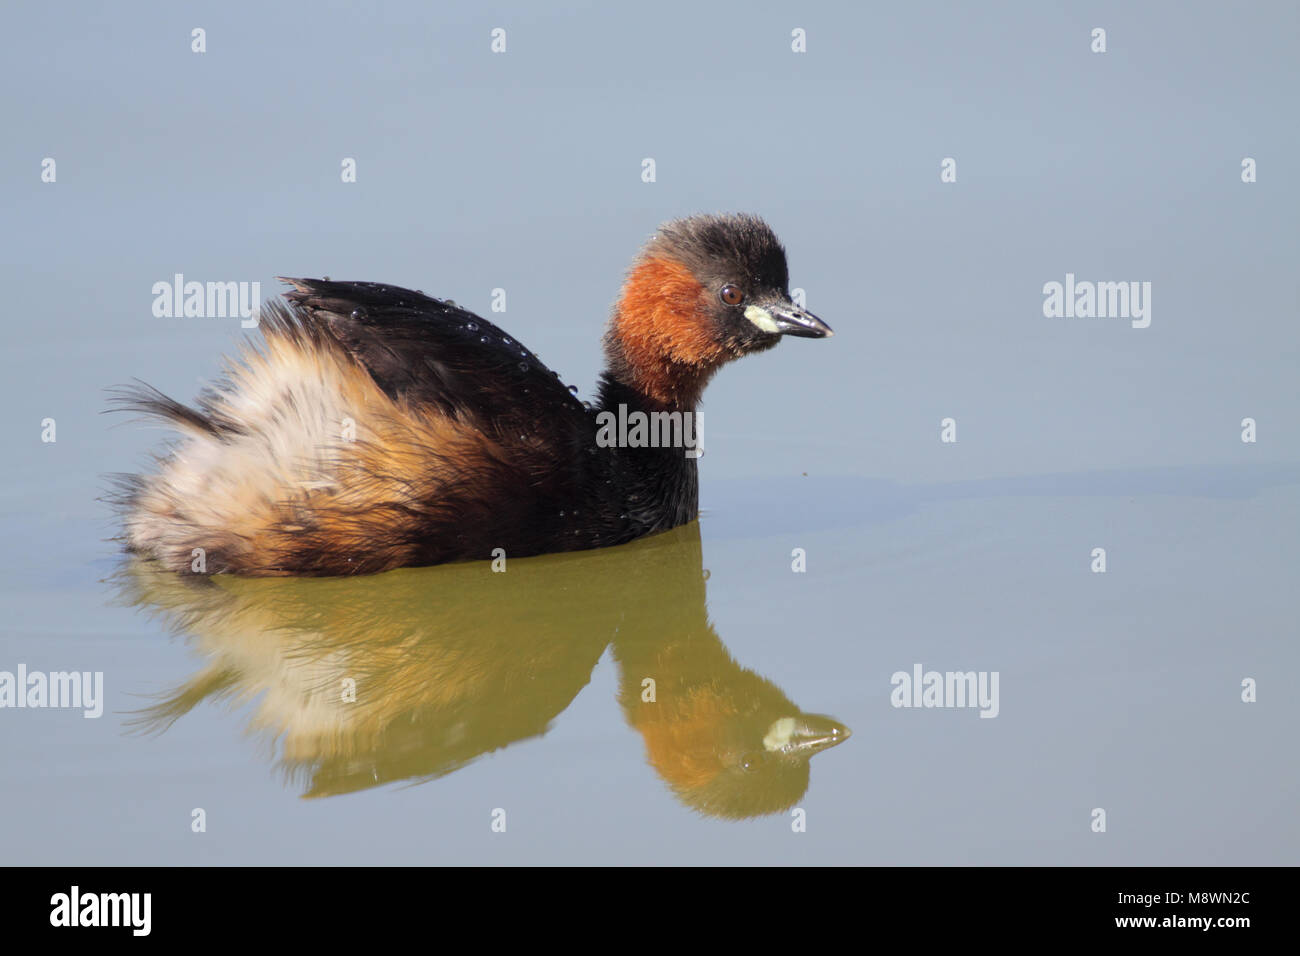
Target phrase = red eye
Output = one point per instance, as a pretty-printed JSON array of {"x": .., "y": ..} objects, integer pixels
[{"x": 732, "y": 295}]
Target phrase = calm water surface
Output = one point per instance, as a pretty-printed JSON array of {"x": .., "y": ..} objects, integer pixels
[
  {"x": 525, "y": 692},
  {"x": 478, "y": 692}
]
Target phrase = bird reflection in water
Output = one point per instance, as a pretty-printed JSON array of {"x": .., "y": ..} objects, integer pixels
[{"x": 410, "y": 675}]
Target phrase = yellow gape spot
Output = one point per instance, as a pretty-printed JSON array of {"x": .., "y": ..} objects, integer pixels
[
  {"x": 762, "y": 318},
  {"x": 779, "y": 734}
]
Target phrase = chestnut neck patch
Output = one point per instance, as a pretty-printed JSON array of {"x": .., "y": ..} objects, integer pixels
[{"x": 661, "y": 340}]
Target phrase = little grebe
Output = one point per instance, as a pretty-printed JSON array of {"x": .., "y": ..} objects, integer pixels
[{"x": 377, "y": 427}]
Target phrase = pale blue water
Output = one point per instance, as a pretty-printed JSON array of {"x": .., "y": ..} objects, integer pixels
[{"x": 1119, "y": 691}]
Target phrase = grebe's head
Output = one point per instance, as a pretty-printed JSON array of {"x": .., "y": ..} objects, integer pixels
[{"x": 704, "y": 290}]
